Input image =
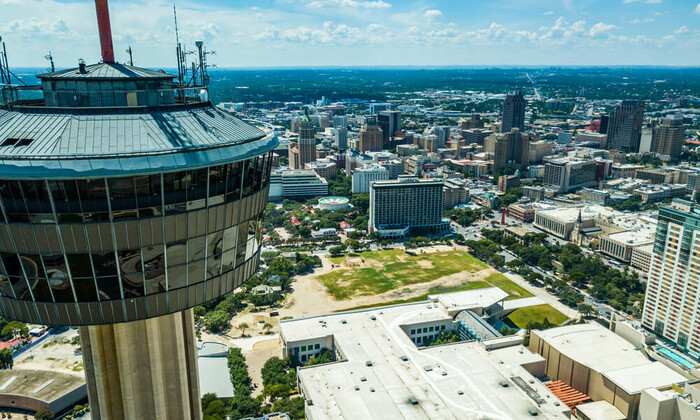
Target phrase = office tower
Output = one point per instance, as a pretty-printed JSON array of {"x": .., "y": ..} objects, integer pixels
[
  {"x": 376, "y": 107},
  {"x": 307, "y": 142},
  {"x": 625, "y": 126},
  {"x": 364, "y": 175},
  {"x": 513, "y": 111},
  {"x": 667, "y": 138},
  {"x": 538, "y": 150},
  {"x": 441, "y": 133},
  {"x": 296, "y": 184},
  {"x": 341, "y": 138},
  {"x": 371, "y": 137},
  {"x": 604, "y": 123},
  {"x": 591, "y": 138},
  {"x": 473, "y": 122},
  {"x": 340, "y": 121},
  {"x": 407, "y": 205},
  {"x": 122, "y": 210},
  {"x": 672, "y": 296},
  {"x": 508, "y": 150},
  {"x": 475, "y": 135},
  {"x": 566, "y": 174},
  {"x": 389, "y": 122},
  {"x": 293, "y": 154}
]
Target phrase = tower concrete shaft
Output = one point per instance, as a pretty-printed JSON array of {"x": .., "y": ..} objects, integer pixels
[{"x": 143, "y": 369}]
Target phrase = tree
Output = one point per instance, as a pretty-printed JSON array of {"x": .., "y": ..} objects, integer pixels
[
  {"x": 6, "y": 361},
  {"x": 267, "y": 327},
  {"x": 242, "y": 327},
  {"x": 243, "y": 405},
  {"x": 497, "y": 260},
  {"x": 585, "y": 310},
  {"x": 292, "y": 406},
  {"x": 44, "y": 414},
  {"x": 336, "y": 251},
  {"x": 216, "y": 321},
  {"x": 324, "y": 356},
  {"x": 361, "y": 202},
  {"x": 14, "y": 328},
  {"x": 353, "y": 244}
]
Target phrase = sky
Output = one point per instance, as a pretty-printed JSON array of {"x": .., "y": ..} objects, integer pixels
[{"x": 346, "y": 33}]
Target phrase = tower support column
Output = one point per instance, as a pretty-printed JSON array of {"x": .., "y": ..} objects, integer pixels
[{"x": 143, "y": 369}]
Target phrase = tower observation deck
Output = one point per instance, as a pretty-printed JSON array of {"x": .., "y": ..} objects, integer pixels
[{"x": 125, "y": 200}]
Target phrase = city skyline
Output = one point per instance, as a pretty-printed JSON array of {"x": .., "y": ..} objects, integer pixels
[{"x": 301, "y": 33}]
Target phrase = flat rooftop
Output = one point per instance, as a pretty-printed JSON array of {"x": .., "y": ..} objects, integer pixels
[
  {"x": 454, "y": 381},
  {"x": 214, "y": 374},
  {"x": 600, "y": 410},
  {"x": 44, "y": 385},
  {"x": 570, "y": 214},
  {"x": 470, "y": 299},
  {"x": 611, "y": 355},
  {"x": 634, "y": 237}
]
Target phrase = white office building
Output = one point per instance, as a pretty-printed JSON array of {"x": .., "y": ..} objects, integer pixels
[
  {"x": 296, "y": 183},
  {"x": 364, "y": 175}
]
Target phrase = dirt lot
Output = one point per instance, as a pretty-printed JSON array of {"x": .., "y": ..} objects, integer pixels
[{"x": 54, "y": 353}]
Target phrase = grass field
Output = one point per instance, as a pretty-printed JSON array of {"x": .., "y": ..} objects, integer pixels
[
  {"x": 382, "y": 271},
  {"x": 393, "y": 269},
  {"x": 537, "y": 314}
]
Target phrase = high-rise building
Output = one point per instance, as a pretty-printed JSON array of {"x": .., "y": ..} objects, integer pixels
[
  {"x": 441, "y": 133},
  {"x": 340, "y": 121},
  {"x": 363, "y": 176},
  {"x": 475, "y": 135},
  {"x": 375, "y": 107},
  {"x": 566, "y": 174},
  {"x": 341, "y": 138},
  {"x": 371, "y": 137},
  {"x": 672, "y": 296},
  {"x": 293, "y": 153},
  {"x": 389, "y": 122},
  {"x": 508, "y": 150},
  {"x": 140, "y": 204},
  {"x": 538, "y": 150},
  {"x": 407, "y": 205},
  {"x": 513, "y": 111},
  {"x": 625, "y": 126},
  {"x": 296, "y": 184},
  {"x": 667, "y": 138},
  {"x": 474, "y": 122},
  {"x": 604, "y": 123},
  {"x": 306, "y": 143}
]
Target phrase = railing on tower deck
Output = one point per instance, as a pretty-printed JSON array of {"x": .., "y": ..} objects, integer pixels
[{"x": 36, "y": 96}]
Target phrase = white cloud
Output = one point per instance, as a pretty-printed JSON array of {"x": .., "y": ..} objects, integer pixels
[
  {"x": 600, "y": 29},
  {"x": 551, "y": 12},
  {"x": 642, "y": 1},
  {"x": 682, "y": 30},
  {"x": 372, "y": 4},
  {"x": 432, "y": 14},
  {"x": 645, "y": 20},
  {"x": 697, "y": 9}
]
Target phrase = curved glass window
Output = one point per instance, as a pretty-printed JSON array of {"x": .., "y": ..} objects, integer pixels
[{"x": 90, "y": 200}]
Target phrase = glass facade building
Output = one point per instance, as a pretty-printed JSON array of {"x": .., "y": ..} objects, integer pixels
[{"x": 99, "y": 233}]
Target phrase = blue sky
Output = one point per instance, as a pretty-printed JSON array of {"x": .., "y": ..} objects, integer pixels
[{"x": 282, "y": 33}]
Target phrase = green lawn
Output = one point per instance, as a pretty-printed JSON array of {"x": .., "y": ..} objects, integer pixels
[
  {"x": 392, "y": 269},
  {"x": 521, "y": 317}
]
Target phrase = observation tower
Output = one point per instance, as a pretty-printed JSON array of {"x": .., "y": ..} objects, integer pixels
[{"x": 126, "y": 199}]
